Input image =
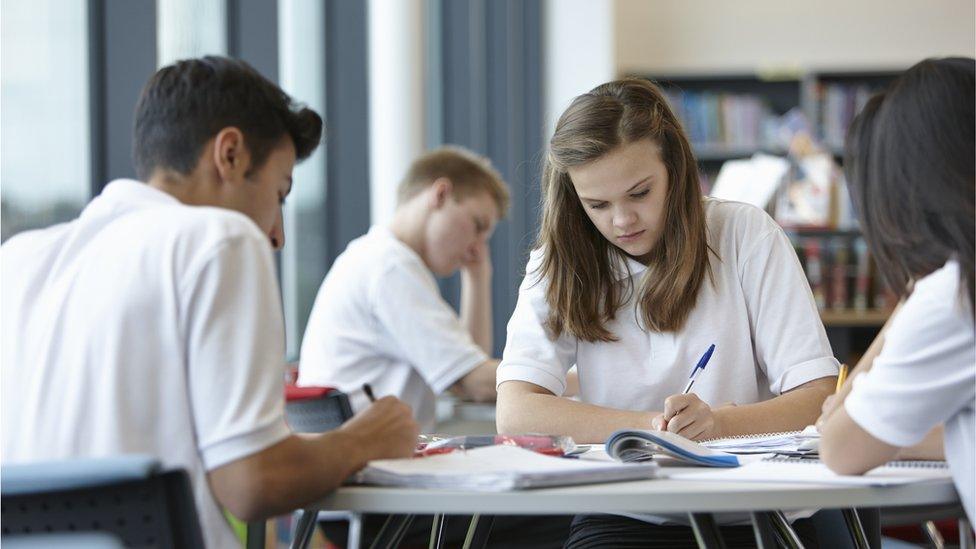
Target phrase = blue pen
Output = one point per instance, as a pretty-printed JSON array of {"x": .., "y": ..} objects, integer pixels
[{"x": 698, "y": 368}]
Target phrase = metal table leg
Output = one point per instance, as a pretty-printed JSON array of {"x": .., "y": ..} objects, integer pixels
[
  {"x": 304, "y": 529},
  {"x": 965, "y": 534},
  {"x": 856, "y": 528},
  {"x": 762, "y": 526},
  {"x": 932, "y": 532},
  {"x": 437, "y": 532},
  {"x": 785, "y": 531},
  {"x": 706, "y": 531},
  {"x": 478, "y": 532},
  {"x": 392, "y": 532},
  {"x": 355, "y": 530}
]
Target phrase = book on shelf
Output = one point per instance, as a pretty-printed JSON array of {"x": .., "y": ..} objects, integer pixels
[
  {"x": 838, "y": 274},
  {"x": 862, "y": 275},
  {"x": 720, "y": 120},
  {"x": 841, "y": 272},
  {"x": 839, "y": 103},
  {"x": 814, "y": 270}
]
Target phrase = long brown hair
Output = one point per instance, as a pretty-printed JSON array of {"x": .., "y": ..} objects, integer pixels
[
  {"x": 579, "y": 264},
  {"x": 912, "y": 175}
]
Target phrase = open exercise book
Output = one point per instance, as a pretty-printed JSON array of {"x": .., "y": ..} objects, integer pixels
[
  {"x": 637, "y": 445},
  {"x": 497, "y": 469},
  {"x": 633, "y": 445}
]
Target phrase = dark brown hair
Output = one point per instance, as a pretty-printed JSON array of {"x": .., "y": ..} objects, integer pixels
[
  {"x": 578, "y": 263},
  {"x": 912, "y": 173},
  {"x": 187, "y": 103}
]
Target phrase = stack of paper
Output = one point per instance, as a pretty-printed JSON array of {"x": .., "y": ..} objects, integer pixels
[
  {"x": 804, "y": 470},
  {"x": 497, "y": 469}
]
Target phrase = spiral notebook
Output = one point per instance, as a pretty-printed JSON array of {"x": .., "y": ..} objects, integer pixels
[
  {"x": 790, "y": 442},
  {"x": 807, "y": 470}
]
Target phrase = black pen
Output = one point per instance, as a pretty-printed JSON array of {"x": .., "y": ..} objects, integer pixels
[{"x": 369, "y": 392}]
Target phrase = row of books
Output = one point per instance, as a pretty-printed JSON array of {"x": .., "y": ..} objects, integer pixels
[
  {"x": 837, "y": 105},
  {"x": 841, "y": 273},
  {"x": 725, "y": 120}
]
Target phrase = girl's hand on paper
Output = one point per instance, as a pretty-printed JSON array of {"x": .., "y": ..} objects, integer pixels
[
  {"x": 688, "y": 416},
  {"x": 833, "y": 402}
]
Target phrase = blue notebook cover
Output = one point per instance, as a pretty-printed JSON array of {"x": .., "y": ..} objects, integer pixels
[{"x": 636, "y": 445}]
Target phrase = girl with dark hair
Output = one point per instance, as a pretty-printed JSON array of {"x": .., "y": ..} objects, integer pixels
[
  {"x": 912, "y": 177},
  {"x": 635, "y": 274}
]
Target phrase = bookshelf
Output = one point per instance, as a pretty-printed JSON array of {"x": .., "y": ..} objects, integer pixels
[
  {"x": 713, "y": 105},
  {"x": 841, "y": 318},
  {"x": 735, "y": 115}
]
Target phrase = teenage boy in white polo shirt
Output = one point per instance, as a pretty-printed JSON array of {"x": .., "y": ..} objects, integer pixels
[
  {"x": 379, "y": 317},
  {"x": 152, "y": 323}
]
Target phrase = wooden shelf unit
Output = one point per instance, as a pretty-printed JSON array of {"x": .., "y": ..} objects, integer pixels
[{"x": 836, "y": 318}]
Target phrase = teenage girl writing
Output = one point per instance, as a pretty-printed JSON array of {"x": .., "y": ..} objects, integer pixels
[{"x": 912, "y": 177}]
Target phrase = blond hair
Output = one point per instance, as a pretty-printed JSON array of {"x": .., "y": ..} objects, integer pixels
[
  {"x": 470, "y": 173},
  {"x": 578, "y": 262}
]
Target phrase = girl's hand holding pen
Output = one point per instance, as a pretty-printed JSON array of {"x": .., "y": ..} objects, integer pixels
[
  {"x": 836, "y": 400},
  {"x": 688, "y": 416}
]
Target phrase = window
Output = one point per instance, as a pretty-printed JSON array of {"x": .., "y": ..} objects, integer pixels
[{"x": 45, "y": 166}]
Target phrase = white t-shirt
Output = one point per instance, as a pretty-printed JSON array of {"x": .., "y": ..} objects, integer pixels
[
  {"x": 144, "y": 326},
  {"x": 380, "y": 319},
  {"x": 759, "y": 313},
  {"x": 926, "y": 375}
]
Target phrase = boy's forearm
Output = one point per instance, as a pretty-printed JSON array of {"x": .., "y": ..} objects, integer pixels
[
  {"x": 476, "y": 308},
  {"x": 288, "y": 475}
]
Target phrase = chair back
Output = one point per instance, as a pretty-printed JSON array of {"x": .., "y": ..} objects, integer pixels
[
  {"x": 129, "y": 497},
  {"x": 315, "y": 409}
]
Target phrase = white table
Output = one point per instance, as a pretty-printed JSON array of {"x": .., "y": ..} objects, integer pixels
[{"x": 697, "y": 498}]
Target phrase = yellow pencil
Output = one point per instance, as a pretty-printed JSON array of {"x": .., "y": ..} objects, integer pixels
[{"x": 841, "y": 377}]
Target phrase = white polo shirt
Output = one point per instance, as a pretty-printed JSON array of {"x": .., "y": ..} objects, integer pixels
[
  {"x": 926, "y": 375},
  {"x": 759, "y": 313},
  {"x": 144, "y": 326},
  {"x": 379, "y": 318}
]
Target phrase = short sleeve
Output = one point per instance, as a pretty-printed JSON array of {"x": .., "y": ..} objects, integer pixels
[
  {"x": 790, "y": 342},
  {"x": 926, "y": 371},
  {"x": 235, "y": 352},
  {"x": 423, "y": 326},
  {"x": 531, "y": 354}
]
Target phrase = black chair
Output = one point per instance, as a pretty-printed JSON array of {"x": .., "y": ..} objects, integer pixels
[
  {"x": 128, "y": 497},
  {"x": 317, "y": 410}
]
